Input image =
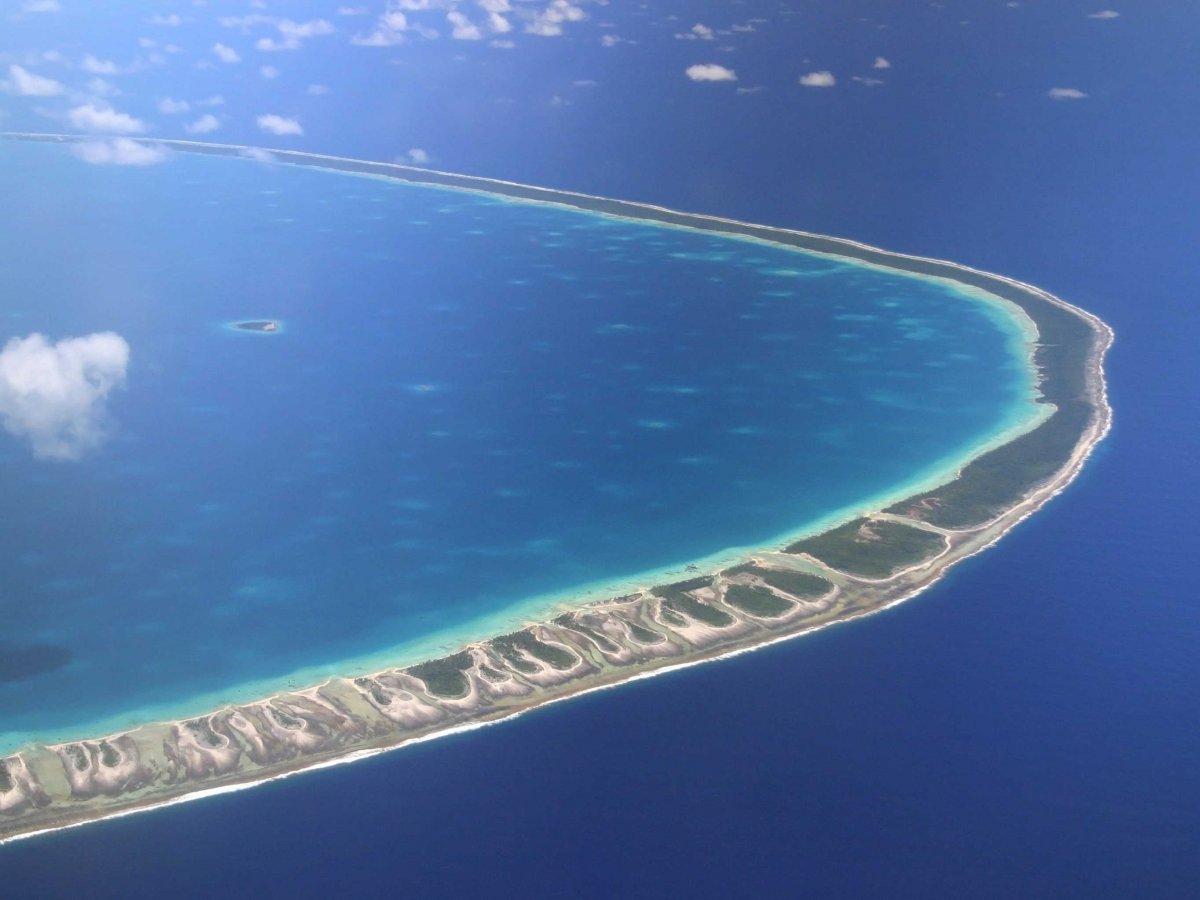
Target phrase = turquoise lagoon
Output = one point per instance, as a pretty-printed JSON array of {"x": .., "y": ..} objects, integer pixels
[{"x": 475, "y": 409}]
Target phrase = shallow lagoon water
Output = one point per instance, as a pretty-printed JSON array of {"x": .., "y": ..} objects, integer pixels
[{"x": 472, "y": 401}]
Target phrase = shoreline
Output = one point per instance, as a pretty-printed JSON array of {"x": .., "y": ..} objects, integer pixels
[{"x": 594, "y": 646}]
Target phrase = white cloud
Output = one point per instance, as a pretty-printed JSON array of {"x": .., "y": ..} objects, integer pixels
[
  {"x": 170, "y": 107},
  {"x": 710, "y": 72},
  {"x": 464, "y": 28},
  {"x": 41, "y": 6},
  {"x": 268, "y": 71},
  {"x": 214, "y": 100},
  {"x": 319, "y": 90},
  {"x": 610, "y": 40},
  {"x": 867, "y": 82},
  {"x": 822, "y": 79},
  {"x": 206, "y": 124},
  {"x": 55, "y": 395},
  {"x": 279, "y": 125},
  {"x": 417, "y": 156},
  {"x": 498, "y": 23},
  {"x": 92, "y": 117},
  {"x": 1062, "y": 93},
  {"x": 389, "y": 31},
  {"x": 225, "y": 54},
  {"x": 1105, "y": 14},
  {"x": 549, "y": 21},
  {"x": 24, "y": 83},
  {"x": 698, "y": 32},
  {"x": 292, "y": 34},
  {"x": 96, "y": 66},
  {"x": 881, "y": 63},
  {"x": 171, "y": 21},
  {"x": 121, "y": 151}
]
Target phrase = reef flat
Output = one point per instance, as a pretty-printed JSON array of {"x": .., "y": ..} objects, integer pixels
[{"x": 857, "y": 568}]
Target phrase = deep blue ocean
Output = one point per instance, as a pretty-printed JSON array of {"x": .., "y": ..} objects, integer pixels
[{"x": 1028, "y": 728}]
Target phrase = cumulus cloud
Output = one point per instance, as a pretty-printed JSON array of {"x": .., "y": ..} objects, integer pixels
[
  {"x": 881, "y": 63},
  {"x": 171, "y": 107},
  {"x": 121, "y": 151},
  {"x": 293, "y": 34},
  {"x": 464, "y": 28},
  {"x": 24, "y": 83},
  {"x": 95, "y": 66},
  {"x": 416, "y": 156},
  {"x": 55, "y": 395},
  {"x": 698, "y": 32},
  {"x": 206, "y": 124},
  {"x": 268, "y": 72},
  {"x": 1065, "y": 93},
  {"x": 1105, "y": 14},
  {"x": 710, "y": 72},
  {"x": 548, "y": 22},
  {"x": 225, "y": 54},
  {"x": 91, "y": 117},
  {"x": 279, "y": 125},
  {"x": 389, "y": 31},
  {"x": 821, "y": 79},
  {"x": 41, "y": 6}
]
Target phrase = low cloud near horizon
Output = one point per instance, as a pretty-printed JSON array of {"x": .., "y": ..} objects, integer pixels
[
  {"x": 279, "y": 125},
  {"x": 55, "y": 395},
  {"x": 121, "y": 151}
]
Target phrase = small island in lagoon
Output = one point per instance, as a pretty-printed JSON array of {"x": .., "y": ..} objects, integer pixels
[
  {"x": 856, "y": 568},
  {"x": 257, "y": 326}
]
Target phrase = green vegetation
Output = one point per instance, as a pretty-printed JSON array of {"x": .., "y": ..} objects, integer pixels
[
  {"x": 671, "y": 617},
  {"x": 602, "y": 641},
  {"x": 757, "y": 601},
  {"x": 109, "y": 756},
  {"x": 871, "y": 548},
  {"x": 508, "y": 645},
  {"x": 444, "y": 677},
  {"x": 644, "y": 635},
  {"x": 797, "y": 584},
  {"x": 379, "y": 695},
  {"x": 285, "y": 719},
  {"x": 679, "y": 587},
  {"x": 491, "y": 674},
  {"x": 997, "y": 480},
  {"x": 78, "y": 758},
  {"x": 675, "y": 599},
  {"x": 701, "y": 612}
]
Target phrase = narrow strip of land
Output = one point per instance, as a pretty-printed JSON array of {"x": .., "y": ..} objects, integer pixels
[{"x": 855, "y": 569}]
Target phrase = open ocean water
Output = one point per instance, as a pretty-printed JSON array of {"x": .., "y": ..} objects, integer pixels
[{"x": 1028, "y": 728}]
